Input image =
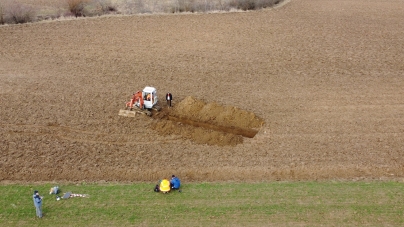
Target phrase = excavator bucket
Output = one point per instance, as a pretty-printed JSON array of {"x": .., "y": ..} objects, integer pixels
[
  {"x": 132, "y": 113},
  {"x": 127, "y": 113}
]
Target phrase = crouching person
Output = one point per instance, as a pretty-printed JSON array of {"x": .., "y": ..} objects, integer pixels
[
  {"x": 175, "y": 182},
  {"x": 54, "y": 190},
  {"x": 165, "y": 186}
]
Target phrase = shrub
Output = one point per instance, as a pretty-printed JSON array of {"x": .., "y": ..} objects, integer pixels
[
  {"x": 179, "y": 6},
  {"x": 18, "y": 13},
  {"x": 186, "y": 5},
  {"x": 77, "y": 7},
  {"x": 266, "y": 3},
  {"x": 243, "y": 4},
  {"x": 106, "y": 6}
]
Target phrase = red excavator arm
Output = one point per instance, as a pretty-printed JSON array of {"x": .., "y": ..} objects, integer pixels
[{"x": 136, "y": 97}]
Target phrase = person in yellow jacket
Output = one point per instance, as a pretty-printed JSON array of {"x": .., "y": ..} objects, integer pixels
[{"x": 163, "y": 186}]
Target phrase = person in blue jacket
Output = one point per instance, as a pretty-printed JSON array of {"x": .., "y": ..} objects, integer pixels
[
  {"x": 175, "y": 182},
  {"x": 38, "y": 204}
]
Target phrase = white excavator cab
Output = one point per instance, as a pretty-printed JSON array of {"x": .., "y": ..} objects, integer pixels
[{"x": 150, "y": 98}]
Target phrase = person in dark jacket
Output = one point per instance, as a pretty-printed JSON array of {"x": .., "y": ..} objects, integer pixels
[
  {"x": 169, "y": 97},
  {"x": 38, "y": 204}
]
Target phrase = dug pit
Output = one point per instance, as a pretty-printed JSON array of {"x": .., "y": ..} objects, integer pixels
[{"x": 207, "y": 123}]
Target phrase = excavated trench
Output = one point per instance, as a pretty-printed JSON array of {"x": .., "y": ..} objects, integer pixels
[
  {"x": 250, "y": 133},
  {"x": 207, "y": 123}
]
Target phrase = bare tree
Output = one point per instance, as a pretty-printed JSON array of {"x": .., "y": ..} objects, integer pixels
[{"x": 106, "y": 6}]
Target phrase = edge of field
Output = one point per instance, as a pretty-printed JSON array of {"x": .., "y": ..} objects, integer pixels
[{"x": 208, "y": 204}]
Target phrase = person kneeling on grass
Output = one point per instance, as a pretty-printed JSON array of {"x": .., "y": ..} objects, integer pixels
[
  {"x": 54, "y": 190},
  {"x": 163, "y": 186},
  {"x": 175, "y": 183}
]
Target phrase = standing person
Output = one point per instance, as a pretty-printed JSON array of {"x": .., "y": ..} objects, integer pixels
[
  {"x": 169, "y": 97},
  {"x": 38, "y": 204}
]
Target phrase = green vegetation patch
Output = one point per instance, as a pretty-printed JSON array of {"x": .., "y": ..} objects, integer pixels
[{"x": 209, "y": 204}]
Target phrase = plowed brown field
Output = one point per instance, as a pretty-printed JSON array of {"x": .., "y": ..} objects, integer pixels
[{"x": 322, "y": 81}]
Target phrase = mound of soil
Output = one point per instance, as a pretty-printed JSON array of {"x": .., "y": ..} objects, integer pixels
[
  {"x": 214, "y": 113},
  {"x": 207, "y": 123}
]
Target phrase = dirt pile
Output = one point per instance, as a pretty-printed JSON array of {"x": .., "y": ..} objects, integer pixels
[
  {"x": 208, "y": 123},
  {"x": 215, "y": 113}
]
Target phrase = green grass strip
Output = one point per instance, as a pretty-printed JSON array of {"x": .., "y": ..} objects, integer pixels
[{"x": 210, "y": 204}]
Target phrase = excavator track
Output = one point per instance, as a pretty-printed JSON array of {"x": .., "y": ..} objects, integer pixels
[{"x": 156, "y": 108}]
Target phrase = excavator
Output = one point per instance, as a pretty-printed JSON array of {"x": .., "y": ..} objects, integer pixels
[
  {"x": 137, "y": 98},
  {"x": 143, "y": 102}
]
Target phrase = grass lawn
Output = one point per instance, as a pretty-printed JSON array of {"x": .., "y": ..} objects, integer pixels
[{"x": 210, "y": 204}]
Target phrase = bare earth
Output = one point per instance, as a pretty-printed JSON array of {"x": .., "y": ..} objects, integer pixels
[{"x": 320, "y": 81}]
